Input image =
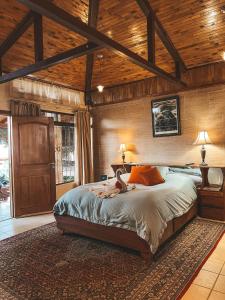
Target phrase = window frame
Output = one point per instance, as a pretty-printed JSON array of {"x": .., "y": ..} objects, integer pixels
[{"x": 65, "y": 124}]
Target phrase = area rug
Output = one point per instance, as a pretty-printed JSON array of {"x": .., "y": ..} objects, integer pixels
[{"x": 42, "y": 264}]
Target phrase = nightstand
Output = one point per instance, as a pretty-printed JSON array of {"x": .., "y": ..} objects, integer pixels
[{"x": 211, "y": 199}]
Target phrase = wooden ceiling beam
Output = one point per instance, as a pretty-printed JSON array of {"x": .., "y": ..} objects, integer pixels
[
  {"x": 0, "y": 66},
  {"x": 38, "y": 37},
  {"x": 16, "y": 33},
  {"x": 92, "y": 22},
  {"x": 50, "y": 62},
  {"x": 60, "y": 16},
  {"x": 151, "y": 37},
  {"x": 164, "y": 37}
]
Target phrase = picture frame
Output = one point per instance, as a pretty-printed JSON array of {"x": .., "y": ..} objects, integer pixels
[{"x": 166, "y": 116}]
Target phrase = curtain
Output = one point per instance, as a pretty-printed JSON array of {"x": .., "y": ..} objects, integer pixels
[
  {"x": 24, "y": 109},
  {"x": 45, "y": 92},
  {"x": 83, "y": 163}
]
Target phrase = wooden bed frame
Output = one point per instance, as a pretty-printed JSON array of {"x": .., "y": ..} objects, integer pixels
[{"x": 119, "y": 236}]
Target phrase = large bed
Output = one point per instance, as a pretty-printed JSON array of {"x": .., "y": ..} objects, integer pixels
[{"x": 140, "y": 219}]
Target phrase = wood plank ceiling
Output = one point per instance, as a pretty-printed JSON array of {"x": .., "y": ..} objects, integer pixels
[{"x": 195, "y": 27}]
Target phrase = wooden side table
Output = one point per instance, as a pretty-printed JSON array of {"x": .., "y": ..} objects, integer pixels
[{"x": 211, "y": 198}]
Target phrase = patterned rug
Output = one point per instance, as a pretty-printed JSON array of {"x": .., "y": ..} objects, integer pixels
[{"x": 42, "y": 264}]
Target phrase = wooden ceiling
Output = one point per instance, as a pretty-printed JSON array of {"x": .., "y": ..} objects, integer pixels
[{"x": 196, "y": 28}]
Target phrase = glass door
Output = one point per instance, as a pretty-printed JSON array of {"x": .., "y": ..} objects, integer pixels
[{"x": 5, "y": 199}]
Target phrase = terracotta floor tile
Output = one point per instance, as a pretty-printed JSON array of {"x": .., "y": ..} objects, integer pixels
[
  {"x": 213, "y": 265},
  {"x": 15, "y": 226},
  {"x": 222, "y": 272},
  {"x": 216, "y": 296},
  {"x": 196, "y": 292},
  {"x": 217, "y": 255},
  {"x": 220, "y": 284},
  {"x": 205, "y": 279}
]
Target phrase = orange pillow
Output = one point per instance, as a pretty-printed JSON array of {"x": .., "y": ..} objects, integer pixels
[
  {"x": 135, "y": 173},
  {"x": 151, "y": 177}
]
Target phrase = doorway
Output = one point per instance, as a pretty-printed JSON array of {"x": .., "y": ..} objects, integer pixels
[{"x": 5, "y": 199}]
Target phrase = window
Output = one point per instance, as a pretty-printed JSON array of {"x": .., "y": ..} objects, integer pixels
[{"x": 64, "y": 146}]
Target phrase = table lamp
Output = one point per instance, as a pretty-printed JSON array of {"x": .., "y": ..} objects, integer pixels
[
  {"x": 203, "y": 139},
  {"x": 123, "y": 148}
]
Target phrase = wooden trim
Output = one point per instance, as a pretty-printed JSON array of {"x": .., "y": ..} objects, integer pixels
[
  {"x": 61, "y": 183},
  {"x": 67, "y": 20},
  {"x": 154, "y": 87},
  {"x": 120, "y": 236},
  {"x": 16, "y": 33},
  {"x": 5, "y": 113},
  {"x": 50, "y": 62},
  {"x": 57, "y": 123},
  {"x": 53, "y": 112}
]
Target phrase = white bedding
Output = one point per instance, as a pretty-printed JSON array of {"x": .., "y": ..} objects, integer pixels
[{"x": 145, "y": 210}]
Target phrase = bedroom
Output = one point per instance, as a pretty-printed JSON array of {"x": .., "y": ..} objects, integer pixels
[{"x": 90, "y": 87}]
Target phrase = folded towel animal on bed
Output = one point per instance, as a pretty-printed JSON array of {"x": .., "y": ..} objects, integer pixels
[{"x": 109, "y": 191}]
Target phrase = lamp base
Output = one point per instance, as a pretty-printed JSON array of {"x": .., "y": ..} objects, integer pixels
[{"x": 203, "y": 155}]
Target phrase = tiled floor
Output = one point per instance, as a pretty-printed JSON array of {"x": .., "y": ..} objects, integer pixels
[
  {"x": 4, "y": 210},
  {"x": 209, "y": 284},
  {"x": 12, "y": 227}
]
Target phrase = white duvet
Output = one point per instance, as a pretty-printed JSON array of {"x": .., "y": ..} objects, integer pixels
[{"x": 145, "y": 210}]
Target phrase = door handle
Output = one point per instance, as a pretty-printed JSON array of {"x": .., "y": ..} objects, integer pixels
[{"x": 52, "y": 165}]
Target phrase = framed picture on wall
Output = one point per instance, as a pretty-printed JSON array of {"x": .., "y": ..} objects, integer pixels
[{"x": 166, "y": 116}]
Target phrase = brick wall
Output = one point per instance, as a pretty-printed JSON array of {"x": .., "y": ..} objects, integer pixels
[{"x": 130, "y": 123}]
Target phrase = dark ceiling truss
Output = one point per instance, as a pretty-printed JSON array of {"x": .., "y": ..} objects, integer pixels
[
  {"x": 49, "y": 10},
  {"x": 96, "y": 40},
  {"x": 92, "y": 22},
  {"x": 16, "y": 33},
  {"x": 51, "y": 61},
  {"x": 154, "y": 25},
  {"x": 40, "y": 62},
  {"x": 38, "y": 37}
]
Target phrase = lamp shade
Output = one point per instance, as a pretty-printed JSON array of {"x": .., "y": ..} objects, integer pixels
[
  {"x": 202, "y": 138},
  {"x": 123, "y": 148}
]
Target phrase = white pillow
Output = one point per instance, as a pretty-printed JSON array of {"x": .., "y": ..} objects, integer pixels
[
  {"x": 164, "y": 171},
  {"x": 125, "y": 177}
]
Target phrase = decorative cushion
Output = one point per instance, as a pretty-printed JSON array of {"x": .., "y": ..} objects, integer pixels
[
  {"x": 135, "y": 173},
  {"x": 151, "y": 177}
]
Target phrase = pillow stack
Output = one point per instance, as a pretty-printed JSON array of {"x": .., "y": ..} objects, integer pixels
[{"x": 146, "y": 175}]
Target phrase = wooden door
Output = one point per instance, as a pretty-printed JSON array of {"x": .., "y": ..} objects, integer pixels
[{"x": 33, "y": 168}]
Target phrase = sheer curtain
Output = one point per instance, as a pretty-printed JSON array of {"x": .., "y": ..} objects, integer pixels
[
  {"x": 37, "y": 90},
  {"x": 84, "y": 164}
]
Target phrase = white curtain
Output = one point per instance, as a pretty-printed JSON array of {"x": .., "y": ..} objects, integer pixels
[{"x": 31, "y": 89}]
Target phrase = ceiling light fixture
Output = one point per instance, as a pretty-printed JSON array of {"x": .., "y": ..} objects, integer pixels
[
  {"x": 222, "y": 9},
  {"x": 100, "y": 87}
]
